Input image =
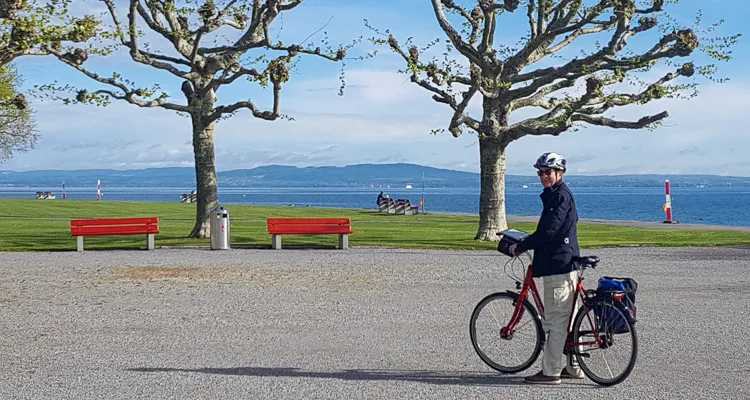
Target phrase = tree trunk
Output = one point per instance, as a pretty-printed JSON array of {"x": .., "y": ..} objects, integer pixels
[
  {"x": 495, "y": 114},
  {"x": 492, "y": 189},
  {"x": 205, "y": 176}
]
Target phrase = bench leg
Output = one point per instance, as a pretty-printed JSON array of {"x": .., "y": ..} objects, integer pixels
[
  {"x": 150, "y": 241},
  {"x": 79, "y": 239},
  {"x": 343, "y": 241},
  {"x": 276, "y": 242}
]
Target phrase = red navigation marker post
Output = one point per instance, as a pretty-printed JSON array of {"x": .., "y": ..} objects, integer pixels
[{"x": 668, "y": 204}]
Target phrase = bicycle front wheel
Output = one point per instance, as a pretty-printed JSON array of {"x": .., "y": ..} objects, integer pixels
[
  {"x": 518, "y": 349},
  {"x": 607, "y": 344}
]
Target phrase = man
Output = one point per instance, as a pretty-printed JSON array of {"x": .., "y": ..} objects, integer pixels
[{"x": 555, "y": 243}]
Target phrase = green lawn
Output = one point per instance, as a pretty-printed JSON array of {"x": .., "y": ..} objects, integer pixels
[{"x": 29, "y": 224}]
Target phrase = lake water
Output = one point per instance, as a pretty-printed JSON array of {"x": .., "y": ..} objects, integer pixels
[{"x": 721, "y": 206}]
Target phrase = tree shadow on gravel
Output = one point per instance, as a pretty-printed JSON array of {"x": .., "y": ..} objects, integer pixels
[{"x": 459, "y": 378}]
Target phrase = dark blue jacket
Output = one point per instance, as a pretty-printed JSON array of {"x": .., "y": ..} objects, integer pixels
[{"x": 555, "y": 241}]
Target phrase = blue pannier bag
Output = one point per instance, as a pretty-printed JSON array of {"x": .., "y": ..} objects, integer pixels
[{"x": 609, "y": 285}]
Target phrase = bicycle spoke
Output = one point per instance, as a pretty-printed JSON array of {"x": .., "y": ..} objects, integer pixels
[
  {"x": 511, "y": 353},
  {"x": 528, "y": 321},
  {"x": 607, "y": 365},
  {"x": 615, "y": 341},
  {"x": 497, "y": 321}
]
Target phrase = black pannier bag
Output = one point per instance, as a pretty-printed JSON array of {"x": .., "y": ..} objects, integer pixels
[{"x": 510, "y": 237}]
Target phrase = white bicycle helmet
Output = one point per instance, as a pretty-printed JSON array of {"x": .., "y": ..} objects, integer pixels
[{"x": 551, "y": 160}]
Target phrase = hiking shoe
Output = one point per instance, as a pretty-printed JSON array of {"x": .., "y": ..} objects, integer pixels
[
  {"x": 540, "y": 379},
  {"x": 564, "y": 374}
]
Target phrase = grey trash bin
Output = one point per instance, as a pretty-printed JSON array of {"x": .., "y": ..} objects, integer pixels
[{"x": 219, "y": 228}]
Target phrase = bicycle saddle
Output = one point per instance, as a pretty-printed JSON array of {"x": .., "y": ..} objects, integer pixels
[{"x": 587, "y": 261}]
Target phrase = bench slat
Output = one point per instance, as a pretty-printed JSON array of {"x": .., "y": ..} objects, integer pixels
[
  {"x": 291, "y": 229},
  {"x": 113, "y": 230},
  {"x": 114, "y": 221},
  {"x": 307, "y": 221},
  {"x": 286, "y": 226},
  {"x": 280, "y": 226}
]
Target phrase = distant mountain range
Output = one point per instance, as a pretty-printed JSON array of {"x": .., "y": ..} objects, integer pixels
[{"x": 360, "y": 175}]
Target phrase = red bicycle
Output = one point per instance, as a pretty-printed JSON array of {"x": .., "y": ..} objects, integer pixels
[{"x": 506, "y": 330}]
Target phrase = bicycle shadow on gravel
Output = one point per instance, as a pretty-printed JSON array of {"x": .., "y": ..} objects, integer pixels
[{"x": 431, "y": 377}]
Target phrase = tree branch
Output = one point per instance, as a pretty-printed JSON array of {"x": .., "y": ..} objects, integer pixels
[
  {"x": 574, "y": 35},
  {"x": 460, "y": 117},
  {"x": 441, "y": 96},
  {"x": 654, "y": 91},
  {"x": 558, "y": 10},
  {"x": 488, "y": 33},
  {"x": 450, "y": 4},
  {"x": 136, "y": 54},
  {"x": 587, "y": 108},
  {"x": 216, "y": 22},
  {"x": 541, "y": 15},
  {"x": 538, "y": 98},
  {"x": 172, "y": 34},
  {"x": 464, "y": 48},
  {"x": 657, "y": 5},
  {"x": 603, "y": 121},
  {"x": 474, "y": 19},
  {"x": 676, "y": 44},
  {"x": 132, "y": 44},
  {"x": 535, "y": 48},
  {"x": 257, "y": 33},
  {"x": 128, "y": 96},
  {"x": 532, "y": 22},
  {"x": 225, "y": 79},
  {"x": 128, "y": 93},
  {"x": 437, "y": 75},
  {"x": 219, "y": 111},
  {"x": 290, "y": 5},
  {"x": 151, "y": 19}
]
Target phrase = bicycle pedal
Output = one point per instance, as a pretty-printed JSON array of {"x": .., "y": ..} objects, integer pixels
[{"x": 571, "y": 352}]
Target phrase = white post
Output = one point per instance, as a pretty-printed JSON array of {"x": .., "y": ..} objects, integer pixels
[
  {"x": 668, "y": 203},
  {"x": 98, "y": 189},
  {"x": 343, "y": 241}
]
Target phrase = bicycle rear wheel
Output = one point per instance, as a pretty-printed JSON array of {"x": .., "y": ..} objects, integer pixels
[
  {"x": 513, "y": 352},
  {"x": 611, "y": 361}
]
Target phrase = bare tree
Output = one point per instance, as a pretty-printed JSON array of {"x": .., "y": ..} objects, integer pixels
[
  {"x": 192, "y": 32},
  {"x": 582, "y": 90}
]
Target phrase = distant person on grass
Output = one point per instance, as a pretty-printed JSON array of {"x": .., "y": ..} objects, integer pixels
[{"x": 555, "y": 243}]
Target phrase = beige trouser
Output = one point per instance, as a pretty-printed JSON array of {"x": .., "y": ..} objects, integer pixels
[{"x": 559, "y": 296}]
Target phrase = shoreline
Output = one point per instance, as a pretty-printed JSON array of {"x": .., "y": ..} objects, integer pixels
[
  {"x": 510, "y": 218},
  {"x": 620, "y": 222}
]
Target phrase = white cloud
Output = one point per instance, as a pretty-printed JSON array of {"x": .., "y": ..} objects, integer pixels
[
  {"x": 700, "y": 136},
  {"x": 382, "y": 119}
]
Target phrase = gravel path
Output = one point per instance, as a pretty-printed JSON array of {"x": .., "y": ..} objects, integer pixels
[{"x": 362, "y": 323}]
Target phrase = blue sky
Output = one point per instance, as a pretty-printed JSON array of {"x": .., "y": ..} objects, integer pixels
[{"x": 382, "y": 117}]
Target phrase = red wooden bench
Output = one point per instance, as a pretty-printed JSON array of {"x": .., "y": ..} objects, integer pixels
[
  {"x": 115, "y": 226},
  {"x": 306, "y": 226}
]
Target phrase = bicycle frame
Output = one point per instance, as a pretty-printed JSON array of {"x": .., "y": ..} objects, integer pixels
[{"x": 530, "y": 286}]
